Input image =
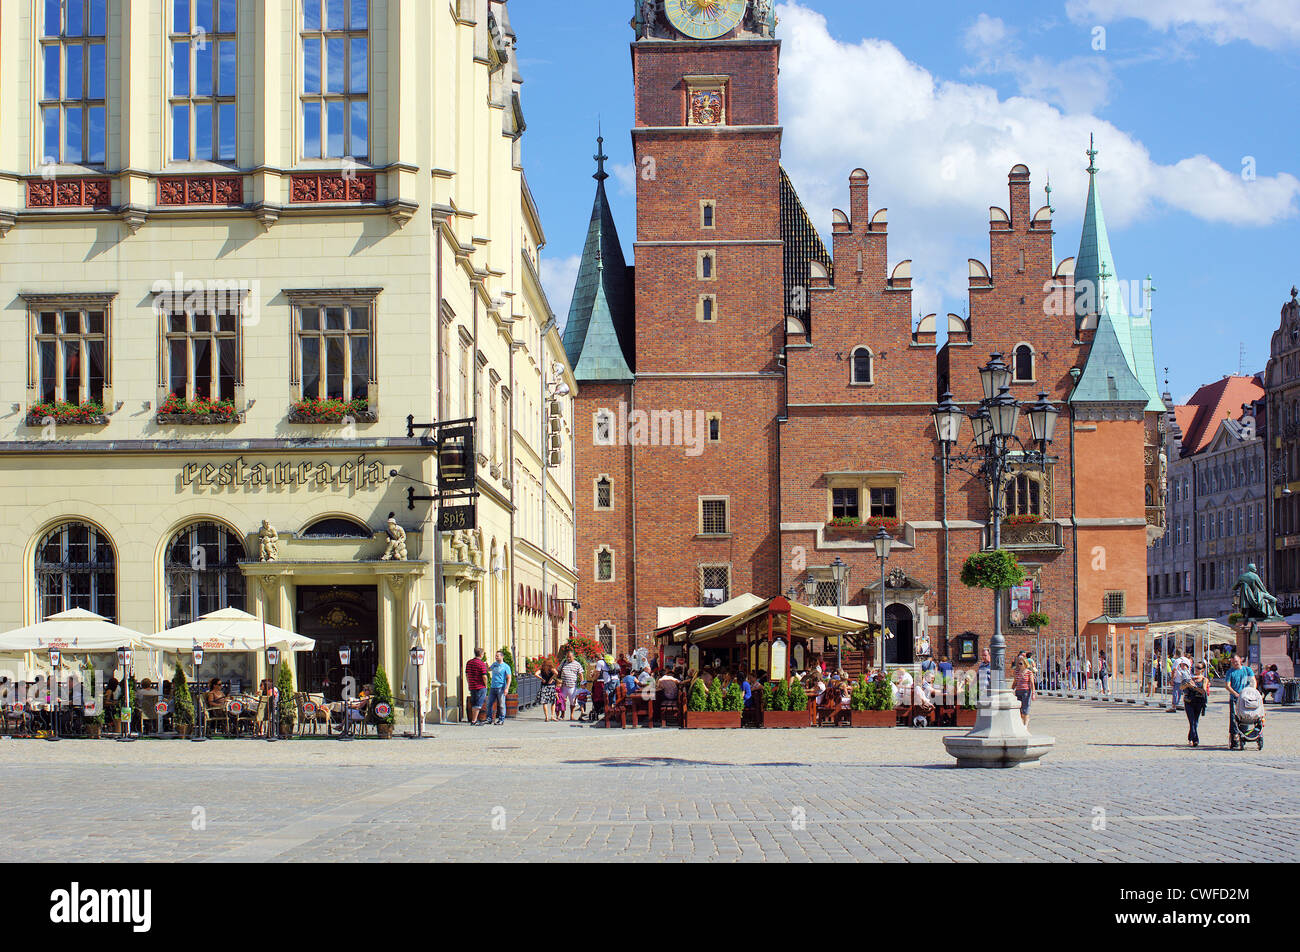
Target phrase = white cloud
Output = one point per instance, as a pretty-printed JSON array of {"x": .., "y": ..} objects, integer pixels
[
  {"x": 939, "y": 152},
  {"x": 1269, "y": 23},
  {"x": 1078, "y": 84},
  {"x": 559, "y": 275},
  {"x": 624, "y": 173}
]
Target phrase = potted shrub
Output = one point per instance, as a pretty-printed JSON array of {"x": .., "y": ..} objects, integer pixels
[
  {"x": 733, "y": 700},
  {"x": 871, "y": 705},
  {"x": 288, "y": 706},
  {"x": 1037, "y": 620},
  {"x": 384, "y": 701},
  {"x": 701, "y": 711},
  {"x": 785, "y": 705},
  {"x": 966, "y": 714},
  {"x": 182, "y": 704}
]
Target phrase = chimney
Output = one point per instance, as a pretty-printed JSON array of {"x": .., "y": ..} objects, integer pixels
[
  {"x": 859, "y": 209},
  {"x": 1020, "y": 212}
]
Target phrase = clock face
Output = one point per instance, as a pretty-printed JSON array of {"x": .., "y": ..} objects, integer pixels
[{"x": 705, "y": 19}]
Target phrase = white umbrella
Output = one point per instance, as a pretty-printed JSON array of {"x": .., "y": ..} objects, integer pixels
[
  {"x": 417, "y": 681},
  {"x": 227, "y": 629},
  {"x": 75, "y": 631}
]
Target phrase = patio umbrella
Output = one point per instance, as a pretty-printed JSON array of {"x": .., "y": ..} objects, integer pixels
[
  {"x": 417, "y": 679},
  {"x": 227, "y": 629},
  {"x": 75, "y": 631}
]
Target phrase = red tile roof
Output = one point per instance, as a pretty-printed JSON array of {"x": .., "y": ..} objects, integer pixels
[{"x": 1199, "y": 417}]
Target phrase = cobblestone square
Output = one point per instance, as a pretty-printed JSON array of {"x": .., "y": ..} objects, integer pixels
[{"x": 1121, "y": 786}]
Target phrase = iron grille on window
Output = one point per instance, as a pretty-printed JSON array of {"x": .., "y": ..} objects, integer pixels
[
  {"x": 826, "y": 592},
  {"x": 606, "y": 635},
  {"x": 76, "y": 568},
  {"x": 604, "y": 565},
  {"x": 714, "y": 517},
  {"x": 604, "y": 494},
  {"x": 1113, "y": 604},
  {"x": 203, "y": 572},
  {"x": 715, "y": 584}
]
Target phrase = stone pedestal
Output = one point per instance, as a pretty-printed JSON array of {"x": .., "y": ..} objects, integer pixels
[
  {"x": 999, "y": 738},
  {"x": 1269, "y": 646}
]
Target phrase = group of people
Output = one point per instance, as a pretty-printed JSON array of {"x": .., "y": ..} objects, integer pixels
[{"x": 1191, "y": 685}]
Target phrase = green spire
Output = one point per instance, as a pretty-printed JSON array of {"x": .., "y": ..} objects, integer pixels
[
  {"x": 598, "y": 336},
  {"x": 1098, "y": 293}
]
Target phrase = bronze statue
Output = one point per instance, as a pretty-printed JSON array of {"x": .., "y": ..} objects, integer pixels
[{"x": 1252, "y": 598}]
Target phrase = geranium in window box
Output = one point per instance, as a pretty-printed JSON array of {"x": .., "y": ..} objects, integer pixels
[
  {"x": 332, "y": 411},
  {"x": 876, "y": 523},
  {"x": 178, "y": 411},
  {"x": 63, "y": 413},
  {"x": 1021, "y": 520}
]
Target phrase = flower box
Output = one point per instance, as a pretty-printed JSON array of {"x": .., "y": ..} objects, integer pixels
[
  {"x": 872, "y": 719},
  {"x": 772, "y": 719},
  {"x": 62, "y": 413},
  {"x": 696, "y": 720},
  {"x": 177, "y": 412},
  {"x": 332, "y": 411}
]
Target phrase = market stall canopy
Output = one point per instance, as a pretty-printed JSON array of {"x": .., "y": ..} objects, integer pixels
[
  {"x": 675, "y": 617},
  {"x": 227, "y": 629},
  {"x": 805, "y": 621},
  {"x": 74, "y": 631},
  {"x": 1210, "y": 631}
]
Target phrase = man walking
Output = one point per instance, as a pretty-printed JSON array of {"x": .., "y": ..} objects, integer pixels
[
  {"x": 1239, "y": 678},
  {"x": 501, "y": 675},
  {"x": 1178, "y": 678},
  {"x": 571, "y": 674},
  {"x": 476, "y": 683},
  {"x": 985, "y": 673}
]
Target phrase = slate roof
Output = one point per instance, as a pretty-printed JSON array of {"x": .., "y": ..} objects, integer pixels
[
  {"x": 1097, "y": 291},
  {"x": 600, "y": 335},
  {"x": 802, "y": 247}
]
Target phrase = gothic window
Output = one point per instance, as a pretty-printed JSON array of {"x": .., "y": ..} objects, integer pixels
[
  {"x": 1024, "y": 363},
  {"x": 603, "y": 428},
  {"x": 861, "y": 360},
  {"x": 604, "y": 564},
  {"x": 715, "y": 584},
  {"x": 605, "y": 632},
  {"x": 1025, "y": 496},
  {"x": 604, "y": 493}
]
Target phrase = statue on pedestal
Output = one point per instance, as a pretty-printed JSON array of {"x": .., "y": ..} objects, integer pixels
[
  {"x": 269, "y": 547},
  {"x": 1253, "y": 600},
  {"x": 396, "y": 550}
]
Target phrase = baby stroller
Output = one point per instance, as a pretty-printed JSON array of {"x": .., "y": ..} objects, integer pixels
[{"x": 1250, "y": 720}]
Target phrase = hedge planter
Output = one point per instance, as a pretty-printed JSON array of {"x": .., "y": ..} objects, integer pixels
[
  {"x": 872, "y": 719},
  {"x": 784, "y": 719},
  {"x": 966, "y": 717},
  {"x": 697, "y": 720}
]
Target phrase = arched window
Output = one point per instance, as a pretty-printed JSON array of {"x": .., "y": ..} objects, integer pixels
[
  {"x": 1151, "y": 496},
  {"x": 1024, "y": 496},
  {"x": 203, "y": 572},
  {"x": 861, "y": 365},
  {"x": 604, "y": 564},
  {"x": 337, "y": 527},
  {"x": 76, "y": 568},
  {"x": 1024, "y": 363},
  {"x": 606, "y": 635},
  {"x": 604, "y": 493}
]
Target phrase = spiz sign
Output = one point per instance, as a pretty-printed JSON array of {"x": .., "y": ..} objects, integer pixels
[{"x": 452, "y": 518}]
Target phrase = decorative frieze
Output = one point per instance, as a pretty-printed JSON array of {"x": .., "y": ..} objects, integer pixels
[
  {"x": 69, "y": 193},
  {"x": 201, "y": 190},
  {"x": 331, "y": 187}
]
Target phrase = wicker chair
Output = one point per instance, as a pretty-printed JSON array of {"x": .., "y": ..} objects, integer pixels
[{"x": 216, "y": 715}]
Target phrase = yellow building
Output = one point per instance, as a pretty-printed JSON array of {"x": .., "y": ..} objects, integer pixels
[{"x": 242, "y": 243}]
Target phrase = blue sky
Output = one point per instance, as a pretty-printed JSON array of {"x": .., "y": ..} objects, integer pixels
[{"x": 1193, "y": 106}]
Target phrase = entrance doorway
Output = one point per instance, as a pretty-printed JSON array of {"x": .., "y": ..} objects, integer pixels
[
  {"x": 899, "y": 649},
  {"x": 333, "y": 616}
]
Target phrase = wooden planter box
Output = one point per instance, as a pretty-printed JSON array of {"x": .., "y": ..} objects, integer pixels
[
  {"x": 784, "y": 719},
  {"x": 872, "y": 719},
  {"x": 966, "y": 717},
  {"x": 694, "y": 720}
]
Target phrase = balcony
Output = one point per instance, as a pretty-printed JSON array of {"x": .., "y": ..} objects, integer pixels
[{"x": 1028, "y": 536}]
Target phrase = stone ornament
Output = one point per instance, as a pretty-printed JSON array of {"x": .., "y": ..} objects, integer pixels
[
  {"x": 269, "y": 543},
  {"x": 396, "y": 550},
  {"x": 706, "y": 107}
]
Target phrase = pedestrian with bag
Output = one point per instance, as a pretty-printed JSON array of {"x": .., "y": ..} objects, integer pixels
[
  {"x": 1196, "y": 697},
  {"x": 1180, "y": 673}
]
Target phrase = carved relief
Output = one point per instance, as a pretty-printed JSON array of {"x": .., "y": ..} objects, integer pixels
[
  {"x": 332, "y": 187},
  {"x": 706, "y": 107}
]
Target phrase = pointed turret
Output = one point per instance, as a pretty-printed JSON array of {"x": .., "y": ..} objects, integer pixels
[
  {"x": 599, "y": 335},
  {"x": 1100, "y": 299}
]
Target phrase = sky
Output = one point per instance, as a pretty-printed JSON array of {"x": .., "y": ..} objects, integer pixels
[{"x": 1192, "y": 104}]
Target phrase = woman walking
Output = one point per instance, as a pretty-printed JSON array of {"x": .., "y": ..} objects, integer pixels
[
  {"x": 550, "y": 681},
  {"x": 1196, "y": 695},
  {"x": 1024, "y": 685}
]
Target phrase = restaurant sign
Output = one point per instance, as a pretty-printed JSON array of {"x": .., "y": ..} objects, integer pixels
[{"x": 359, "y": 474}]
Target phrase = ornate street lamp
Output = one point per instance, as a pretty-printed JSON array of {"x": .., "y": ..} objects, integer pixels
[
  {"x": 56, "y": 665},
  {"x": 345, "y": 658},
  {"x": 273, "y": 661},
  {"x": 947, "y": 421},
  {"x": 1042, "y": 421},
  {"x": 882, "y": 541},
  {"x": 839, "y": 572},
  {"x": 124, "y": 656},
  {"x": 810, "y": 588},
  {"x": 197, "y": 657},
  {"x": 995, "y": 376}
]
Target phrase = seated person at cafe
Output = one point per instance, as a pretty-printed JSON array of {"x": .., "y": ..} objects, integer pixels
[
  {"x": 215, "y": 696},
  {"x": 629, "y": 682},
  {"x": 668, "y": 686}
]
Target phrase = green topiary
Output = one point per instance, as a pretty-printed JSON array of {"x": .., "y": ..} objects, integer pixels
[
  {"x": 860, "y": 696},
  {"x": 715, "y": 695},
  {"x": 383, "y": 695},
  {"x": 698, "y": 699},
  {"x": 288, "y": 707},
  {"x": 777, "y": 696},
  {"x": 880, "y": 696},
  {"x": 182, "y": 703},
  {"x": 734, "y": 699},
  {"x": 994, "y": 570},
  {"x": 510, "y": 660},
  {"x": 798, "y": 697}
]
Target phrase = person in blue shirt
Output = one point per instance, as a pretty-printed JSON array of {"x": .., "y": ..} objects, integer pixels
[
  {"x": 1239, "y": 678},
  {"x": 500, "y": 674},
  {"x": 746, "y": 690}
]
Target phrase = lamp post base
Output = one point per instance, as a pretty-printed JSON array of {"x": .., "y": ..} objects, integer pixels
[{"x": 999, "y": 738}]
